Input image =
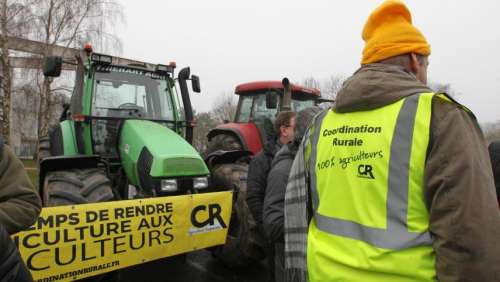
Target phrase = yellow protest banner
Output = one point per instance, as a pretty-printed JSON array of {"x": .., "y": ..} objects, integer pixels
[{"x": 73, "y": 242}]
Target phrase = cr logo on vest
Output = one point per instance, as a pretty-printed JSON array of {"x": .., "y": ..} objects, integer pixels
[
  {"x": 206, "y": 218},
  {"x": 365, "y": 171}
]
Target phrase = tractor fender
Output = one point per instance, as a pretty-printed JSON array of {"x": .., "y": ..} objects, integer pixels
[
  {"x": 57, "y": 163},
  {"x": 63, "y": 139},
  {"x": 56, "y": 140},
  {"x": 224, "y": 157},
  {"x": 247, "y": 133}
]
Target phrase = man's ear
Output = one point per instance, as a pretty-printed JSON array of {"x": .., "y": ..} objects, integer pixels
[
  {"x": 414, "y": 63},
  {"x": 282, "y": 130}
]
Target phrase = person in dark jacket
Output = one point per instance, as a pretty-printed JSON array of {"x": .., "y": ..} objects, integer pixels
[
  {"x": 259, "y": 168},
  {"x": 494, "y": 149},
  {"x": 261, "y": 163},
  {"x": 274, "y": 199},
  {"x": 20, "y": 204},
  {"x": 12, "y": 267}
]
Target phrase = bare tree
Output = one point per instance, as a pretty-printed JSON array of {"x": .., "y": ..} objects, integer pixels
[
  {"x": 224, "y": 108},
  {"x": 14, "y": 21},
  {"x": 204, "y": 123},
  {"x": 328, "y": 87},
  {"x": 491, "y": 131},
  {"x": 24, "y": 111},
  {"x": 54, "y": 22},
  {"x": 443, "y": 88},
  {"x": 70, "y": 23},
  {"x": 311, "y": 82},
  {"x": 331, "y": 86}
]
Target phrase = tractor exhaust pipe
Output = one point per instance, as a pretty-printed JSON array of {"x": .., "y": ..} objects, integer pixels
[
  {"x": 286, "y": 104},
  {"x": 186, "y": 100}
]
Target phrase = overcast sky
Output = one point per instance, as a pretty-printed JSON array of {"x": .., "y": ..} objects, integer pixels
[{"x": 227, "y": 42}]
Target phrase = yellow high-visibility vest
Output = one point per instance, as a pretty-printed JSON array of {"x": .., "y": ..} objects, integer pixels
[{"x": 366, "y": 175}]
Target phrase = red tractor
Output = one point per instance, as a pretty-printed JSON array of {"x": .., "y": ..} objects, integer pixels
[{"x": 231, "y": 147}]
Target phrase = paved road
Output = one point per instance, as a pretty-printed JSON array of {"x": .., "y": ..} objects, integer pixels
[{"x": 198, "y": 266}]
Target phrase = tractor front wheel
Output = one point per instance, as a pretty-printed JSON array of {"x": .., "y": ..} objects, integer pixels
[
  {"x": 77, "y": 186},
  {"x": 80, "y": 186}
]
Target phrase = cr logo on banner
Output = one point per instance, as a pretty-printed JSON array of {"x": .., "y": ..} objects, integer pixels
[{"x": 214, "y": 212}]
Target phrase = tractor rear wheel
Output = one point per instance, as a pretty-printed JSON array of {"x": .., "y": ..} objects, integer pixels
[{"x": 244, "y": 243}]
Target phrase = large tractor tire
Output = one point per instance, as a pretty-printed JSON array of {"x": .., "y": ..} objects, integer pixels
[
  {"x": 80, "y": 186},
  {"x": 77, "y": 186},
  {"x": 244, "y": 244}
]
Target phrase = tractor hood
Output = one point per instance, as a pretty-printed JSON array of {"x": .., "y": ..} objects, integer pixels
[{"x": 152, "y": 149}]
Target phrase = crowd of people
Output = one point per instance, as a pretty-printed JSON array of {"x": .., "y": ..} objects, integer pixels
[{"x": 413, "y": 200}]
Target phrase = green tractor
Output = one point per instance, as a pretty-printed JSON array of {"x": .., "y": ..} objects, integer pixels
[{"x": 126, "y": 134}]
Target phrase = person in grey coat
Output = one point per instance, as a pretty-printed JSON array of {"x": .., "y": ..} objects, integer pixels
[{"x": 274, "y": 199}]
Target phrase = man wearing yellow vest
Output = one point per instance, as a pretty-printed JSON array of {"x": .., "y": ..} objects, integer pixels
[{"x": 394, "y": 182}]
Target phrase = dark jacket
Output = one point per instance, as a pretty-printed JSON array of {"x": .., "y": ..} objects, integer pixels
[
  {"x": 19, "y": 201},
  {"x": 494, "y": 149},
  {"x": 274, "y": 200},
  {"x": 257, "y": 179},
  {"x": 273, "y": 214},
  {"x": 459, "y": 188},
  {"x": 12, "y": 268}
]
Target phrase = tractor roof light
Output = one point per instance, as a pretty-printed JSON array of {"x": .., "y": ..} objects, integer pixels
[
  {"x": 87, "y": 47},
  {"x": 78, "y": 117},
  {"x": 172, "y": 64},
  {"x": 164, "y": 69},
  {"x": 101, "y": 59}
]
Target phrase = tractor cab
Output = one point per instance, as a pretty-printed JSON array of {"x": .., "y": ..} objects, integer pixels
[
  {"x": 258, "y": 105},
  {"x": 265, "y": 99},
  {"x": 123, "y": 93}
]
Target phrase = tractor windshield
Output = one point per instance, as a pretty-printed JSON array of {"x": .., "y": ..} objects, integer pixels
[
  {"x": 254, "y": 107},
  {"x": 123, "y": 94},
  {"x": 299, "y": 105}
]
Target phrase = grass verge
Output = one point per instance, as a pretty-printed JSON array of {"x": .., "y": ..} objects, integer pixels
[{"x": 32, "y": 170}]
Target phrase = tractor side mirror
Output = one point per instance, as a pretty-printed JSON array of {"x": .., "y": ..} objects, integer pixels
[
  {"x": 271, "y": 100},
  {"x": 52, "y": 66},
  {"x": 195, "y": 83}
]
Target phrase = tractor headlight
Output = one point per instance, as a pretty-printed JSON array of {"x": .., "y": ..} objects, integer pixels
[
  {"x": 200, "y": 182},
  {"x": 168, "y": 185}
]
